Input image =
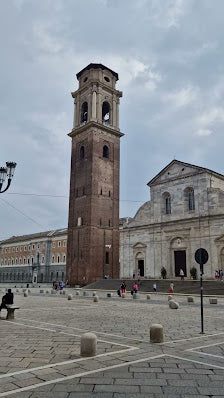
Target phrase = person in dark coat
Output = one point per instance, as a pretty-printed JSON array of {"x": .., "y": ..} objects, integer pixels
[{"x": 7, "y": 299}]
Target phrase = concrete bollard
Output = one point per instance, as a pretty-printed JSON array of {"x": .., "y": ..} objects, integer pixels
[
  {"x": 123, "y": 295},
  {"x": 95, "y": 299},
  {"x": 29, "y": 291},
  {"x": 213, "y": 300},
  {"x": 156, "y": 333},
  {"x": 47, "y": 291},
  {"x": 170, "y": 298},
  {"x": 148, "y": 297},
  {"x": 41, "y": 291},
  {"x": 135, "y": 296},
  {"x": 77, "y": 293},
  {"x": 17, "y": 290},
  {"x": 25, "y": 294},
  {"x": 63, "y": 291},
  {"x": 109, "y": 294},
  {"x": 190, "y": 299},
  {"x": 88, "y": 345},
  {"x": 173, "y": 304},
  {"x": 69, "y": 296},
  {"x": 94, "y": 294}
]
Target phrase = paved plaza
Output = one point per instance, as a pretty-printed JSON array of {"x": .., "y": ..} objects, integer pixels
[{"x": 40, "y": 348}]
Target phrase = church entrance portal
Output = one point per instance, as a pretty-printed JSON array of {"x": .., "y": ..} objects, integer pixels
[
  {"x": 141, "y": 267},
  {"x": 180, "y": 262}
]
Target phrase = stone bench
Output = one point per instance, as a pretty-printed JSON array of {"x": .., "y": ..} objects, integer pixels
[{"x": 10, "y": 311}]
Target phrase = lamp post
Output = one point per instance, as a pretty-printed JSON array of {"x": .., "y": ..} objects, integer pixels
[{"x": 7, "y": 171}]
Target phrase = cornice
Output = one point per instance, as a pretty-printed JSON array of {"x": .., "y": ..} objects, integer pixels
[{"x": 92, "y": 124}]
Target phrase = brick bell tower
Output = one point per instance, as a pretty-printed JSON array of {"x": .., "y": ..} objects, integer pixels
[{"x": 93, "y": 226}]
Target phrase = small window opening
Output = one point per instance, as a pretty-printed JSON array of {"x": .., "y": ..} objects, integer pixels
[
  {"x": 105, "y": 151},
  {"x": 83, "y": 190},
  {"x": 100, "y": 222},
  {"x": 106, "y": 78},
  {"x": 109, "y": 194},
  {"x": 84, "y": 112},
  {"x": 101, "y": 192},
  {"x": 168, "y": 205},
  {"x": 82, "y": 152},
  {"x": 107, "y": 258},
  {"x": 106, "y": 112},
  {"x": 85, "y": 80},
  {"x": 109, "y": 223}
]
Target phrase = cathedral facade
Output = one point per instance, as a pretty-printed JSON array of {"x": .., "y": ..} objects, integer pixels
[{"x": 185, "y": 212}]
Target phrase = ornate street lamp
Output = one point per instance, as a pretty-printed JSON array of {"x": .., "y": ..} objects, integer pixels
[{"x": 7, "y": 171}]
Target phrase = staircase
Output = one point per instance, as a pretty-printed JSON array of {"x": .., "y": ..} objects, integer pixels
[{"x": 210, "y": 287}]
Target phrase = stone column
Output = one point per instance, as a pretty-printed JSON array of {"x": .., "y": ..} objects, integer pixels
[
  {"x": 94, "y": 105},
  {"x": 74, "y": 120},
  {"x": 117, "y": 118},
  {"x": 114, "y": 123}
]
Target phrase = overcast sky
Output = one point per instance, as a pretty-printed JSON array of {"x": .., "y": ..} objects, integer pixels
[{"x": 169, "y": 57}]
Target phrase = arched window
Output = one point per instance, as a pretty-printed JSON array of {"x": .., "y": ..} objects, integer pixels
[
  {"x": 82, "y": 152},
  {"x": 58, "y": 259},
  {"x": 64, "y": 258},
  {"x": 105, "y": 152},
  {"x": 167, "y": 203},
  {"x": 106, "y": 113},
  {"x": 84, "y": 112}
]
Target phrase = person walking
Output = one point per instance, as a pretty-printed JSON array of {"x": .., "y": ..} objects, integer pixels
[
  {"x": 135, "y": 288},
  {"x": 171, "y": 287},
  {"x": 154, "y": 287},
  {"x": 123, "y": 287},
  {"x": 181, "y": 274}
]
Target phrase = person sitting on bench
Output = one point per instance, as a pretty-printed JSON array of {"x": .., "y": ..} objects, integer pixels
[{"x": 7, "y": 299}]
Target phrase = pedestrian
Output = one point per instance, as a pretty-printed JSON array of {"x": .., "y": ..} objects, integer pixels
[
  {"x": 171, "y": 287},
  {"x": 216, "y": 274},
  {"x": 123, "y": 287},
  {"x": 7, "y": 299},
  {"x": 139, "y": 279},
  {"x": 135, "y": 288},
  {"x": 221, "y": 274},
  {"x": 181, "y": 274},
  {"x": 61, "y": 285},
  {"x": 154, "y": 287}
]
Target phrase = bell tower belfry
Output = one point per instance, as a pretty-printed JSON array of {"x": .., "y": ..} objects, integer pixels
[{"x": 93, "y": 226}]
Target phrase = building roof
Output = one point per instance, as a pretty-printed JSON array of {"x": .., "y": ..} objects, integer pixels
[
  {"x": 38, "y": 235},
  {"x": 96, "y": 66},
  {"x": 198, "y": 168}
]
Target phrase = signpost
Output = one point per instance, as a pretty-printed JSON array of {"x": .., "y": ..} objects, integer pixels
[{"x": 201, "y": 257}]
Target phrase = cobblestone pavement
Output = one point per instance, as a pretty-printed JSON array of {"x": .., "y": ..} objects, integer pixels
[{"x": 40, "y": 348}]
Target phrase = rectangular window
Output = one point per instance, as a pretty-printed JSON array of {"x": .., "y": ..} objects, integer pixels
[
  {"x": 168, "y": 205},
  {"x": 191, "y": 204},
  {"x": 107, "y": 258}
]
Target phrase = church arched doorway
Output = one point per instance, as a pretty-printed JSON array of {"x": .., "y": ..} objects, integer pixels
[{"x": 140, "y": 263}]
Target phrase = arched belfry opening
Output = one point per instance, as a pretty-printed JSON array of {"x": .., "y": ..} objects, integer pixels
[
  {"x": 84, "y": 112},
  {"x": 105, "y": 152},
  {"x": 106, "y": 112}
]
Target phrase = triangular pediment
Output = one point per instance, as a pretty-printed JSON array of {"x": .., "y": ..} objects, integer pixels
[{"x": 177, "y": 169}]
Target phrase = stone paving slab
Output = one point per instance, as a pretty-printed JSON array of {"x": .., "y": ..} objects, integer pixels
[{"x": 41, "y": 347}]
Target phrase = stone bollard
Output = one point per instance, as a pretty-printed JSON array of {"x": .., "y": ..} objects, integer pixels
[
  {"x": 47, "y": 291},
  {"x": 52, "y": 291},
  {"x": 69, "y": 296},
  {"x": 88, "y": 345},
  {"x": 95, "y": 299},
  {"x": 170, "y": 298},
  {"x": 135, "y": 296},
  {"x": 17, "y": 290},
  {"x": 60, "y": 292},
  {"x": 109, "y": 294},
  {"x": 41, "y": 291},
  {"x": 24, "y": 290},
  {"x": 77, "y": 293},
  {"x": 190, "y": 299},
  {"x": 148, "y": 297},
  {"x": 25, "y": 294},
  {"x": 213, "y": 300},
  {"x": 123, "y": 295},
  {"x": 156, "y": 333},
  {"x": 94, "y": 294},
  {"x": 85, "y": 293},
  {"x": 29, "y": 291},
  {"x": 63, "y": 291},
  {"x": 173, "y": 304}
]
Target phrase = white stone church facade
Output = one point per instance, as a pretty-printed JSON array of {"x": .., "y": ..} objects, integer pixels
[{"x": 186, "y": 212}]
